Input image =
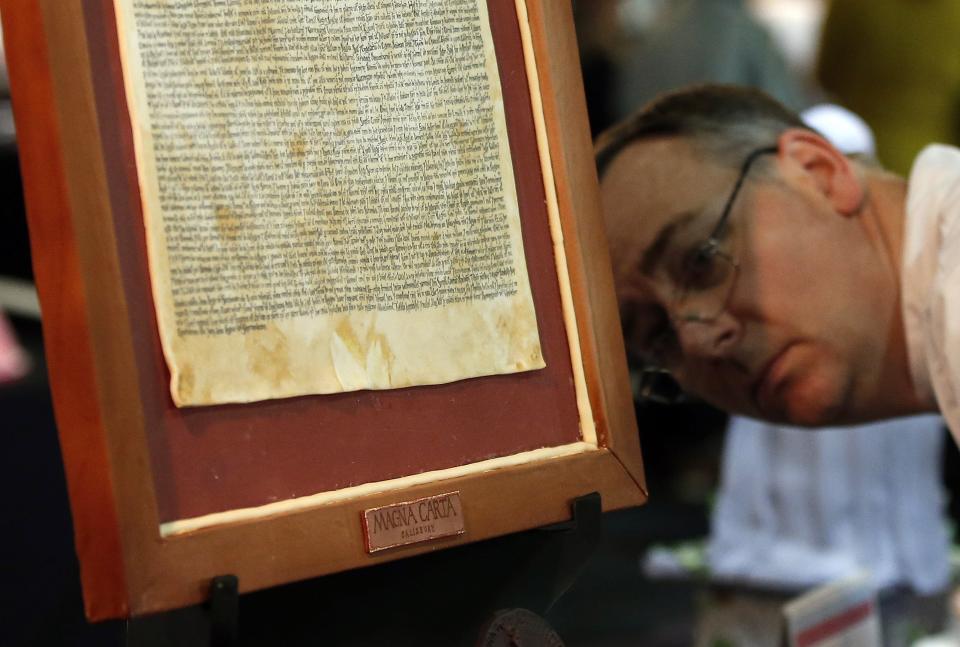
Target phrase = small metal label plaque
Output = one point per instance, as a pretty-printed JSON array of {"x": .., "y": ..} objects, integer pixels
[{"x": 412, "y": 522}]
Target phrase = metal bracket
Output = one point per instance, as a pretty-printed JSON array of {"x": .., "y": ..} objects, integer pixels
[{"x": 224, "y": 611}]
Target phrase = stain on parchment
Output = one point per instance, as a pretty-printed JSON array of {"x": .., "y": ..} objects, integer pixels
[
  {"x": 268, "y": 354},
  {"x": 380, "y": 362},
  {"x": 349, "y": 338},
  {"x": 298, "y": 148},
  {"x": 521, "y": 326},
  {"x": 185, "y": 383},
  {"x": 229, "y": 225}
]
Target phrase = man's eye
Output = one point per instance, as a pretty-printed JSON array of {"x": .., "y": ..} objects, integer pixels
[{"x": 702, "y": 269}]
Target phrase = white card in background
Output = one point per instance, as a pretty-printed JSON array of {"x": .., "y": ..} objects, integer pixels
[{"x": 842, "y": 613}]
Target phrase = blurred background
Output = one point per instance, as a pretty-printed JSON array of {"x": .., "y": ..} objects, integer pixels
[{"x": 741, "y": 518}]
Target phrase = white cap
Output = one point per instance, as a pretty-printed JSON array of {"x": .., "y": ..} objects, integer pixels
[{"x": 844, "y": 129}]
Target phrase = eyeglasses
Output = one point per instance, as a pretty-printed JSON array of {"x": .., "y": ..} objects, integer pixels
[{"x": 708, "y": 276}]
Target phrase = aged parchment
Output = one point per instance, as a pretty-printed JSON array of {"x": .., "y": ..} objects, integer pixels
[{"x": 328, "y": 195}]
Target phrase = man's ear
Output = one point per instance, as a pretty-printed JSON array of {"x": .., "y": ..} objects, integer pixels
[{"x": 830, "y": 171}]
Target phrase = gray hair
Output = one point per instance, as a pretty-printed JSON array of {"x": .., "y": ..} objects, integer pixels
[{"x": 726, "y": 122}]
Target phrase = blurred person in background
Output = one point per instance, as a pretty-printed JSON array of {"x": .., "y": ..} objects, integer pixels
[
  {"x": 684, "y": 42},
  {"x": 896, "y": 63},
  {"x": 798, "y": 509},
  {"x": 632, "y": 50}
]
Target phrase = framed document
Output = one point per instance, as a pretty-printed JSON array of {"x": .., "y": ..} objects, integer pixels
[{"x": 323, "y": 284}]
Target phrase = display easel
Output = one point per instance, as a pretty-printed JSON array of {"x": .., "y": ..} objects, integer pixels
[{"x": 136, "y": 464}]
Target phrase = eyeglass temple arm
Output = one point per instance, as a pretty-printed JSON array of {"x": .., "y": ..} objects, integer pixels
[{"x": 747, "y": 163}]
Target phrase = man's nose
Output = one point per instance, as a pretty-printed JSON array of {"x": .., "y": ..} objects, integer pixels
[{"x": 713, "y": 339}]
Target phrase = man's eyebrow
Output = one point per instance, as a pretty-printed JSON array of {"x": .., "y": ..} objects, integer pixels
[{"x": 651, "y": 257}]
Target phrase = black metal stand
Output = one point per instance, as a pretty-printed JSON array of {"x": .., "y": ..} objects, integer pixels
[
  {"x": 582, "y": 536},
  {"x": 560, "y": 552},
  {"x": 224, "y": 611}
]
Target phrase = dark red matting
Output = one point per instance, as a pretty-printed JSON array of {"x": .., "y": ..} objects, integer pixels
[{"x": 210, "y": 459}]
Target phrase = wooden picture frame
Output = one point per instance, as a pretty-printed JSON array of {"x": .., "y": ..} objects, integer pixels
[{"x": 78, "y": 171}]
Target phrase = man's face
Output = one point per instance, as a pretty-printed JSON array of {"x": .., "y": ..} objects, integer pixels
[{"x": 803, "y": 335}]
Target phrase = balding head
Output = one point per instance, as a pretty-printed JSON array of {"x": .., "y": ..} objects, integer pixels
[{"x": 721, "y": 121}]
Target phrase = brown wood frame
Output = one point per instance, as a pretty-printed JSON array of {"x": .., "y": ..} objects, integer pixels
[{"x": 126, "y": 567}]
